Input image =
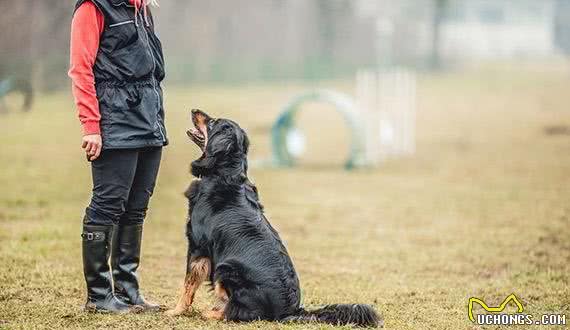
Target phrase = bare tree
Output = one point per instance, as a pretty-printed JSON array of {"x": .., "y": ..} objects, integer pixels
[{"x": 440, "y": 7}]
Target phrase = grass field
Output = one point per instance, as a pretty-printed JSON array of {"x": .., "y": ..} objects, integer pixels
[{"x": 482, "y": 209}]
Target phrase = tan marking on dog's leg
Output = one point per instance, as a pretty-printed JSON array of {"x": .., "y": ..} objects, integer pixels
[
  {"x": 218, "y": 311},
  {"x": 199, "y": 272},
  {"x": 220, "y": 292}
]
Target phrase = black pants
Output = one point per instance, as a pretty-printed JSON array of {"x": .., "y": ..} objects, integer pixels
[{"x": 123, "y": 181}]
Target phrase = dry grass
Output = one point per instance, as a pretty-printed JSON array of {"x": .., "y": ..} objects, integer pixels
[{"x": 483, "y": 209}]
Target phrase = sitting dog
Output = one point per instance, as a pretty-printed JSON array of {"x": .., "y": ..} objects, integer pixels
[{"x": 233, "y": 245}]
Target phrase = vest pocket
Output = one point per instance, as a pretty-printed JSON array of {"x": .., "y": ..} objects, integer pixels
[{"x": 120, "y": 35}]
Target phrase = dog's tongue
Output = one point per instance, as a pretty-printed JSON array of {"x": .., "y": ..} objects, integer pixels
[{"x": 201, "y": 124}]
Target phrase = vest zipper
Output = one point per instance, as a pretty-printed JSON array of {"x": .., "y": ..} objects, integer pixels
[
  {"x": 122, "y": 23},
  {"x": 154, "y": 81}
]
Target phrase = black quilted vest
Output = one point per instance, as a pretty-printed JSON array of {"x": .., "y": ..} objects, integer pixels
[{"x": 128, "y": 71}]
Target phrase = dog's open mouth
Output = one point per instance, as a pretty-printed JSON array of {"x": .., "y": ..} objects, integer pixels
[{"x": 199, "y": 133}]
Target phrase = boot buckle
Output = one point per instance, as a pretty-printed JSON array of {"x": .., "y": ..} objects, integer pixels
[{"x": 94, "y": 236}]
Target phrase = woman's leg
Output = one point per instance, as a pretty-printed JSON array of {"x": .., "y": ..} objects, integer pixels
[
  {"x": 125, "y": 258},
  {"x": 113, "y": 176},
  {"x": 113, "y": 173}
]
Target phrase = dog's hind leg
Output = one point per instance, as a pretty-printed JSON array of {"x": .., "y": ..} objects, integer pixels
[
  {"x": 217, "y": 312},
  {"x": 197, "y": 272}
]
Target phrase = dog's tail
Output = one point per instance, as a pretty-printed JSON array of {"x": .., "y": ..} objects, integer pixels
[{"x": 339, "y": 314}]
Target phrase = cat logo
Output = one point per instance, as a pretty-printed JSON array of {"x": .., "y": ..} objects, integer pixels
[{"x": 499, "y": 309}]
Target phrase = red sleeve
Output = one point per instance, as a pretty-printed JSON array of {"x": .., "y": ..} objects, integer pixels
[{"x": 86, "y": 28}]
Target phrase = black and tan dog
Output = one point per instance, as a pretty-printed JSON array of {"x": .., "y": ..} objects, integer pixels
[{"x": 232, "y": 245}]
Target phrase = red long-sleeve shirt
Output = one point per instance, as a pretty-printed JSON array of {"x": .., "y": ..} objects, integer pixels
[{"x": 86, "y": 28}]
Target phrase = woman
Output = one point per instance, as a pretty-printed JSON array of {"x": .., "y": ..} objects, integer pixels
[{"x": 116, "y": 69}]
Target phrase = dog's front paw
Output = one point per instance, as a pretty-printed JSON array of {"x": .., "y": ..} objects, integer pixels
[{"x": 174, "y": 312}]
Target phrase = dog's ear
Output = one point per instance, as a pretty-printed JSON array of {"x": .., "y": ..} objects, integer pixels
[{"x": 242, "y": 141}]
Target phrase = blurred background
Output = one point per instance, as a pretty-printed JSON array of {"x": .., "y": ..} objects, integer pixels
[
  {"x": 323, "y": 39},
  {"x": 265, "y": 40},
  {"x": 453, "y": 115}
]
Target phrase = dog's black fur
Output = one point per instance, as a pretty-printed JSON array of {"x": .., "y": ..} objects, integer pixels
[{"x": 226, "y": 224}]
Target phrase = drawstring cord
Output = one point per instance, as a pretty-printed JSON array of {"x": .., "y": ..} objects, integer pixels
[
  {"x": 135, "y": 3},
  {"x": 144, "y": 4},
  {"x": 146, "y": 15}
]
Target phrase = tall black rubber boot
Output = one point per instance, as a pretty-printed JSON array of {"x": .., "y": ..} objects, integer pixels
[
  {"x": 96, "y": 251},
  {"x": 125, "y": 261}
]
